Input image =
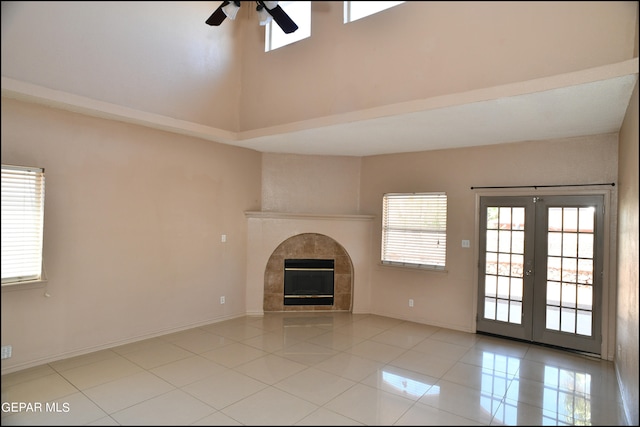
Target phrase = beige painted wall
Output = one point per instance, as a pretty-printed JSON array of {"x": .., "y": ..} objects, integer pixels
[
  {"x": 133, "y": 225},
  {"x": 627, "y": 320},
  {"x": 448, "y": 298},
  {"x": 423, "y": 49},
  {"x": 312, "y": 184},
  {"x": 124, "y": 53}
]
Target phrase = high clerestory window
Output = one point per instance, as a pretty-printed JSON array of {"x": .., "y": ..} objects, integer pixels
[
  {"x": 354, "y": 10},
  {"x": 300, "y": 13}
]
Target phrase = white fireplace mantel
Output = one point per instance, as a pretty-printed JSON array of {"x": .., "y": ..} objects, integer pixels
[
  {"x": 267, "y": 230},
  {"x": 306, "y": 216}
]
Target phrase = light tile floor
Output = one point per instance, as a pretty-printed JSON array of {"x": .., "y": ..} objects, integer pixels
[{"x": 326, "y": 368}]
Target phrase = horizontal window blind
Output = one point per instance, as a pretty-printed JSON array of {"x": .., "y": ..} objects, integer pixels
[
  {"x": 22, "y": 223},
  {"x": 414, "y": 229}
]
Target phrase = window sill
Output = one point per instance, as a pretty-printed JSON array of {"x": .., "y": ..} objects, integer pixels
[
  {"x": 23, "y": 286},
  {"x": 413, "y": 267}
]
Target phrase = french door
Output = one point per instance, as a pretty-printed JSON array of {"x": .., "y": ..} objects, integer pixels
[{"x": 541, "y": 269}]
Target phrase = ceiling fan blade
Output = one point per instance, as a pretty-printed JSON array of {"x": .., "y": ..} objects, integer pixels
[
  {"x": 282, "y": 19},
  {"x": 218, "y": 16}
]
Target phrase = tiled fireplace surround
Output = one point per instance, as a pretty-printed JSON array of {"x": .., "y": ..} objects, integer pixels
[
  {"x": 276, "y": 236},
  {"x": 308, "y": 246}
]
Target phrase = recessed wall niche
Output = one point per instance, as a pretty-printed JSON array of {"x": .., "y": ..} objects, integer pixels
[{"x": 308, "y": 246}]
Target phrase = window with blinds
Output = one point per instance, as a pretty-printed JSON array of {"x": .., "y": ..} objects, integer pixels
[
  {"x": 414, "y": 229},
  {"x": 22, "y": 224}
]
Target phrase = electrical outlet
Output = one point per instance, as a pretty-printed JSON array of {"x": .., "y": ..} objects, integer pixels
[
  {"x": 410, "y": 302},
  {"x": 223, "y": 238},
  {"x": 6, "y": 351},
  {"x": 221, "y": 300}
]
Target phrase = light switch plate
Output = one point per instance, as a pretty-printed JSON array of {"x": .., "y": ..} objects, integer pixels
[{"x": 6, "y": 351}]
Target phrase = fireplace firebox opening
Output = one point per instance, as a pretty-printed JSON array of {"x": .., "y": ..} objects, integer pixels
[{"x": 309, "y": 281}]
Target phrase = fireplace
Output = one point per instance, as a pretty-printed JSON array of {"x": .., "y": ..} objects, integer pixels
[
  {"x": 307, "y": 246},
  {"x": 308, "y": 281}
]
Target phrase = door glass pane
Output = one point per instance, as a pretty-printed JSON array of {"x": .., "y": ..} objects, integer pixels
[
  {"x": 554, "y": 267},
  {"x": 584, "y": 323},
  {"x": 555, "y": 219},
  {"x": 515, "y": 312},
  {"x": 553, "y": 293},
  {"x": 502, "y": 312},
  {"x": 553, "y": 318},
  {"x": 491, "y": 263},
  {"x": 568, "y": 295},
  {"x": 503, "y": 287},
  {"x": 569, "y": 244},
  {"x": 517, "y": 219},
  {"x": 492, "y": 240},
  {"x": 517, "y": 242},
  {"x": 585, "y": 245},
  {"x": 504, "y": 264},
  {"x": 585, "y": 271},
  {"x": 517, "y": 264},
  {"x": 587, "y": 219},
  {"x": 516, "y": 289},
  {"x": 554, "y": 244},
  {"x": 570, "y": 220},
  {"x": 568, "y": 320},
  {"x": 504, "y": 241},
  {"x": 490, "y": 285},
  {"x": 492, "y": 218},
  {"x": 490, "y": 308},
  {"x": 505, "y": 218},
  {"x": 569, "y": 269},
  {"x": 585, "y": 297}
]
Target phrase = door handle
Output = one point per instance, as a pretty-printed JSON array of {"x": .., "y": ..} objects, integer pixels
[{"x": 529, "y": 268}]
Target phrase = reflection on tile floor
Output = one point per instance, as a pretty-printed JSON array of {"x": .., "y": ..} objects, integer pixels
[{"x": 297, "y": 368}]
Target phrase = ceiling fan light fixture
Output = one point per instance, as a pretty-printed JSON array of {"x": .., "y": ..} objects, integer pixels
[
  {"x": 270, "y": 4},
  {"x": 263, "y": 15},
  {"x": 231, "y": 10}
]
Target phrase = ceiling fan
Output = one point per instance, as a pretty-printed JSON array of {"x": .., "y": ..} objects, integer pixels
[{"x": 267, "y": 10}]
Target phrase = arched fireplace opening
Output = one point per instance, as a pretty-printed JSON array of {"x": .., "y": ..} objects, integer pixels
[{"x": 318, "y": 272}]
